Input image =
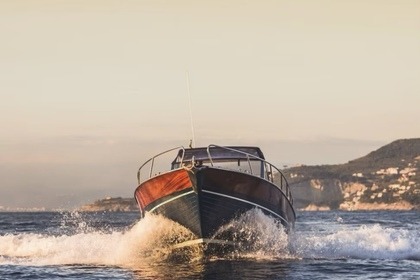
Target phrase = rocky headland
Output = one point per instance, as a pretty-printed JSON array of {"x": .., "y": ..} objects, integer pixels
[{"x": 385, "y": 179}]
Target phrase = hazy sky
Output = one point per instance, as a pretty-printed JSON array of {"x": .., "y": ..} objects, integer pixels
[{"x": 90, "y": 89}]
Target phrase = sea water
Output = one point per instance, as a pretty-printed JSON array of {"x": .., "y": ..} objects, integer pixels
[{"x": 323, "y": 245}]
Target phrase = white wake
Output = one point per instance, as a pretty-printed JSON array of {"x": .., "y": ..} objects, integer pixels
[{"x": 151, "y": 238}]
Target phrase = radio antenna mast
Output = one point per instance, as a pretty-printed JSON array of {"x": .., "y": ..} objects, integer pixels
[{"x": 192, "y": 141}]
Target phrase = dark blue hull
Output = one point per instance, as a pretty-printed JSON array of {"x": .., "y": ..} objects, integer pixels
[{"x": 217, "y": 196}]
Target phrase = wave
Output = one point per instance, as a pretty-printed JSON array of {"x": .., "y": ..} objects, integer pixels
[
  {"x": 364, "y": 242},
  {"x": 151, "y": 238}
]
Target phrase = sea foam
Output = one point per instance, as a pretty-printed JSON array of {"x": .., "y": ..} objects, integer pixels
[
  {"x": 150, "y": 239},
  {"x": 364, "y": 242}
]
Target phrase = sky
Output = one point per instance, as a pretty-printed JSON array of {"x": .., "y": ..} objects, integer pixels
[{"x": 91, "y": 89}]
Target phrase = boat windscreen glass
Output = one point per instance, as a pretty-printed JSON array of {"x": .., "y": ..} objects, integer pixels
[{"x": 217, "y": 154}]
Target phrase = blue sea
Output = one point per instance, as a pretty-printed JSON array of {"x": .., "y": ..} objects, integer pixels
[{"x": 323, "y": 245}]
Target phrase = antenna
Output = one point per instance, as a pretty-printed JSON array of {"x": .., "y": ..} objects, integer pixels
[{"x": 192, "y": 141}]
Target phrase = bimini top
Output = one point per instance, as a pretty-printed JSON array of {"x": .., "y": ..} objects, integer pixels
[{"x": 218, "y": 153}]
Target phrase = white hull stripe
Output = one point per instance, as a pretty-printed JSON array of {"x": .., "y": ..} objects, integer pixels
[
  {"x": 249, "y": 202},
  {"x": 169, "y": 200}
]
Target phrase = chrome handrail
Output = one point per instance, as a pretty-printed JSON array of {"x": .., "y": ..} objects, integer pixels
[{"x": 152, "y": 159}]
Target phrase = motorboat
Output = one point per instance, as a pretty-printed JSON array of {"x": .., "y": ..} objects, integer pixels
[{"x": 204, "y": 188}]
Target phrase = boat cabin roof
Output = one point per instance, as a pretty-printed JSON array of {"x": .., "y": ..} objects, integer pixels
[{"x": 218, "y": 153}]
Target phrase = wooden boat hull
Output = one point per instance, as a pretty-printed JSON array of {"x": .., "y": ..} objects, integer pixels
[{"x": 204, "y": 199}]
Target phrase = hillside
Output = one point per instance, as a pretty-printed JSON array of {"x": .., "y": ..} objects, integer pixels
[{"x": 386, "y": 178}]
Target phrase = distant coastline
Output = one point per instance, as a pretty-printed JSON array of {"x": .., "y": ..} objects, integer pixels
[
  {"x": 20, "y": 209},
  {"x": 111, "y": 204}
]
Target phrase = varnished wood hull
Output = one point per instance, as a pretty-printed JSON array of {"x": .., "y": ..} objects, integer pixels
[{"x": 204, "y": 199}]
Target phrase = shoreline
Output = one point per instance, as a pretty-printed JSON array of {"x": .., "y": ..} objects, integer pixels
[{"x": 395, "y": 206}]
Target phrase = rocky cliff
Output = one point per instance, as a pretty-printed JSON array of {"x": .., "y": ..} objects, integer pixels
[{"x": 388, "y": 178}]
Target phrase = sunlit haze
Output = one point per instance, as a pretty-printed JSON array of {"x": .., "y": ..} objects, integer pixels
[{"x": 91, "y": 89}]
